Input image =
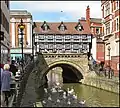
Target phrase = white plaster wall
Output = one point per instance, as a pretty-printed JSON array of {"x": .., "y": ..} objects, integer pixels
[
  {"x": 29, "y": 32},
  {"x": 93, "y": 50},
  {"x": 13, "y": 32}
]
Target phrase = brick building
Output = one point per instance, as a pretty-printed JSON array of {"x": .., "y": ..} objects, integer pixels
[
  {"x": 4, "y": 32},
  {"x": 95, "y": 25},
  {"x": 111, "y": 32},
  {"x": 15, "y": 37}
]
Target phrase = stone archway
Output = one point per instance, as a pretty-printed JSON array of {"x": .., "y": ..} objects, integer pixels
[{"x": 78, "y": 71}]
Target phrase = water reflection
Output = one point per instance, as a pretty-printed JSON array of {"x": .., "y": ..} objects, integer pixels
[{"x": 94, "y": 97}]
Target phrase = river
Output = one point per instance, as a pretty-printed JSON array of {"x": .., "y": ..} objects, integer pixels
[{"x": 94, "y": 97}]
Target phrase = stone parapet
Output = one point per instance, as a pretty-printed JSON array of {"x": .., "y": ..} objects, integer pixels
[{"x": 102, "y": 83}]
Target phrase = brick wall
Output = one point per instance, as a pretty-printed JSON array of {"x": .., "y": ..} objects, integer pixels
[
  {"x": 100, "y": 52},
  {"x": 114, "y": 64}
]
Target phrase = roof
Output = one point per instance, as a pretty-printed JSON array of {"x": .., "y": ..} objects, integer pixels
[
  {"x": 19, "y": 12},
  {"x": 97, "y": 20},
  {"x": 69, "y": 25}
]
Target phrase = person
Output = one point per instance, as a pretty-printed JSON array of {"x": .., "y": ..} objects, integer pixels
[
  {"x": 13, "y": 68},
  {"x": 1, "y": 69},
  {"x": 5, "y": 83}
]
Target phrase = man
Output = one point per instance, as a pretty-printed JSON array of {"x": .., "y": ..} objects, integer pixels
[{"x": 13, "y": 68}]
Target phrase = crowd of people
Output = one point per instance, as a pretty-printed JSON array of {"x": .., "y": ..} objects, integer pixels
[{"x": 8, "y": 72}]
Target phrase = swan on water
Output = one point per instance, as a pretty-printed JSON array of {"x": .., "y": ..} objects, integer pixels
[
  {"x": 45, "y": 90},
  {"x": 68, "y": 102},
  {"x": 58, "y": 100},
  {"x": 44, "y": 102},
  {"x": 49, "y": 98},
  {"x": 82, "y": 102}
]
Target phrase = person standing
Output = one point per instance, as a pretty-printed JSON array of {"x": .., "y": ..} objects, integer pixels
[
  {"x": 13, "y": 68},
  {"x": 5, "y": 83}
]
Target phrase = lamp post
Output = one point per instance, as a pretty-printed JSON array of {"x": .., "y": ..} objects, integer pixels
[
  {"x": 21, "y": 26},
  {"x": 109, "y": 60},
  {"x": 33, "y": 39},
  {"x": 35, "y": 47}
]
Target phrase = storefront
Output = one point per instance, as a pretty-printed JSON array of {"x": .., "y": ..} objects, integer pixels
[{"x": 5, "y": 54}]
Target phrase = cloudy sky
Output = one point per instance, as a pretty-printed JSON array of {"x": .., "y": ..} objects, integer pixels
[{"x": 53, "y": 11}]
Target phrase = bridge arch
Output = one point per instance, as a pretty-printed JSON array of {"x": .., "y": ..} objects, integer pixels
[{"x": 77, "y": 69}]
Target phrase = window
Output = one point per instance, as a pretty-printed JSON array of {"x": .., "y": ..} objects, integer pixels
[
  {"x": 20, "y": 38},
  {"x": 62, "y": 27},
  {"x": 117, "y": 4},
  {"x": 107, "y": 9},
  {"x": 117, "y": 24},
  {"x": 79, "y": 27},
  {"x": 45, "y": 27},
  {"x": 97, "y": 31},
  {"x": 107, "y": 28}
]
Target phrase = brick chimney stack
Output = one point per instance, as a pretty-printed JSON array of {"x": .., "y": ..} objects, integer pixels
[{"x": 88, "y": 15}]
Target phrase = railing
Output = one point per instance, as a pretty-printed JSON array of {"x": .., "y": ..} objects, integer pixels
[
  {"x": 100, "y": 70},
  {"x": 66, "y": 55}
]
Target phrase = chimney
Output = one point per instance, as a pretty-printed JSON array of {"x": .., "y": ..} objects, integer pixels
[{"x": 88, "y": 15}]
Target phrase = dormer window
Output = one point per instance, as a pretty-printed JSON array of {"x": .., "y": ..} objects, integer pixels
[
  {"x": 79, "y": 27},
  {"x": 45, "y": 27},
  {"x": 62, "y": 27}
]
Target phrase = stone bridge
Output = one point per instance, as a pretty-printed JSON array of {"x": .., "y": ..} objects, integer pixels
[{"x": 74, "y": 66}]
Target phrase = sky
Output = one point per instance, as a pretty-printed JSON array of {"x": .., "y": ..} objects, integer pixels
[{"x": 57, "y": 11}]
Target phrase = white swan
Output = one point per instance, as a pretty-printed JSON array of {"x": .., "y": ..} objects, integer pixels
[
  {"x": 82, "y": 102},
  {"x": 75, "y": 96},
  {"x": 58, "y": 100},
  {"x": 45, "y": 90},
  {"x": 68, "y": 102},
  {"x": 49, "y": 98},
  {"x": 44, "y": 102},
  {"x": 70, "y": 91},
  {"x": 53, "y": 90}
]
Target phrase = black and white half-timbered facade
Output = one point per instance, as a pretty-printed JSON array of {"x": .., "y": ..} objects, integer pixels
[{"x": 64, "y": 37}]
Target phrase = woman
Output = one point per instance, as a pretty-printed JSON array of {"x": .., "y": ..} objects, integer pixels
[{"x": 5, "y": 82}]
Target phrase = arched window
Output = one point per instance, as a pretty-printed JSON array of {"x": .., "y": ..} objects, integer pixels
[
  {"x": 79, "y": 27},
  {"x": 62, "y": 27},
  {"x": 45, "y": 27}
]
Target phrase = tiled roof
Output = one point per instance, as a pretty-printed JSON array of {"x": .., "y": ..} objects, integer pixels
[{"x": 69, "y": 25}]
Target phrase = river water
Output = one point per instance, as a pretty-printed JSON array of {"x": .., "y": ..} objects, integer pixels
[{"x": 94, "y": 97}]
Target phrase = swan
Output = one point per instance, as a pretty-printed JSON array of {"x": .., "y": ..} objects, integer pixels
[
  {"x": 82, "y": 102},
  {"x": 70, "y": 91},
  {"x": 68, "y": 102},
  {"x": 44, "y": 102},
  {"x": 45, "y": 90},
  {"x": 53, "y": 90},
  {"x": 49, "y": 98},
  {"x": 75, "y": 96},
  {"x": 58, "y": 100}
]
